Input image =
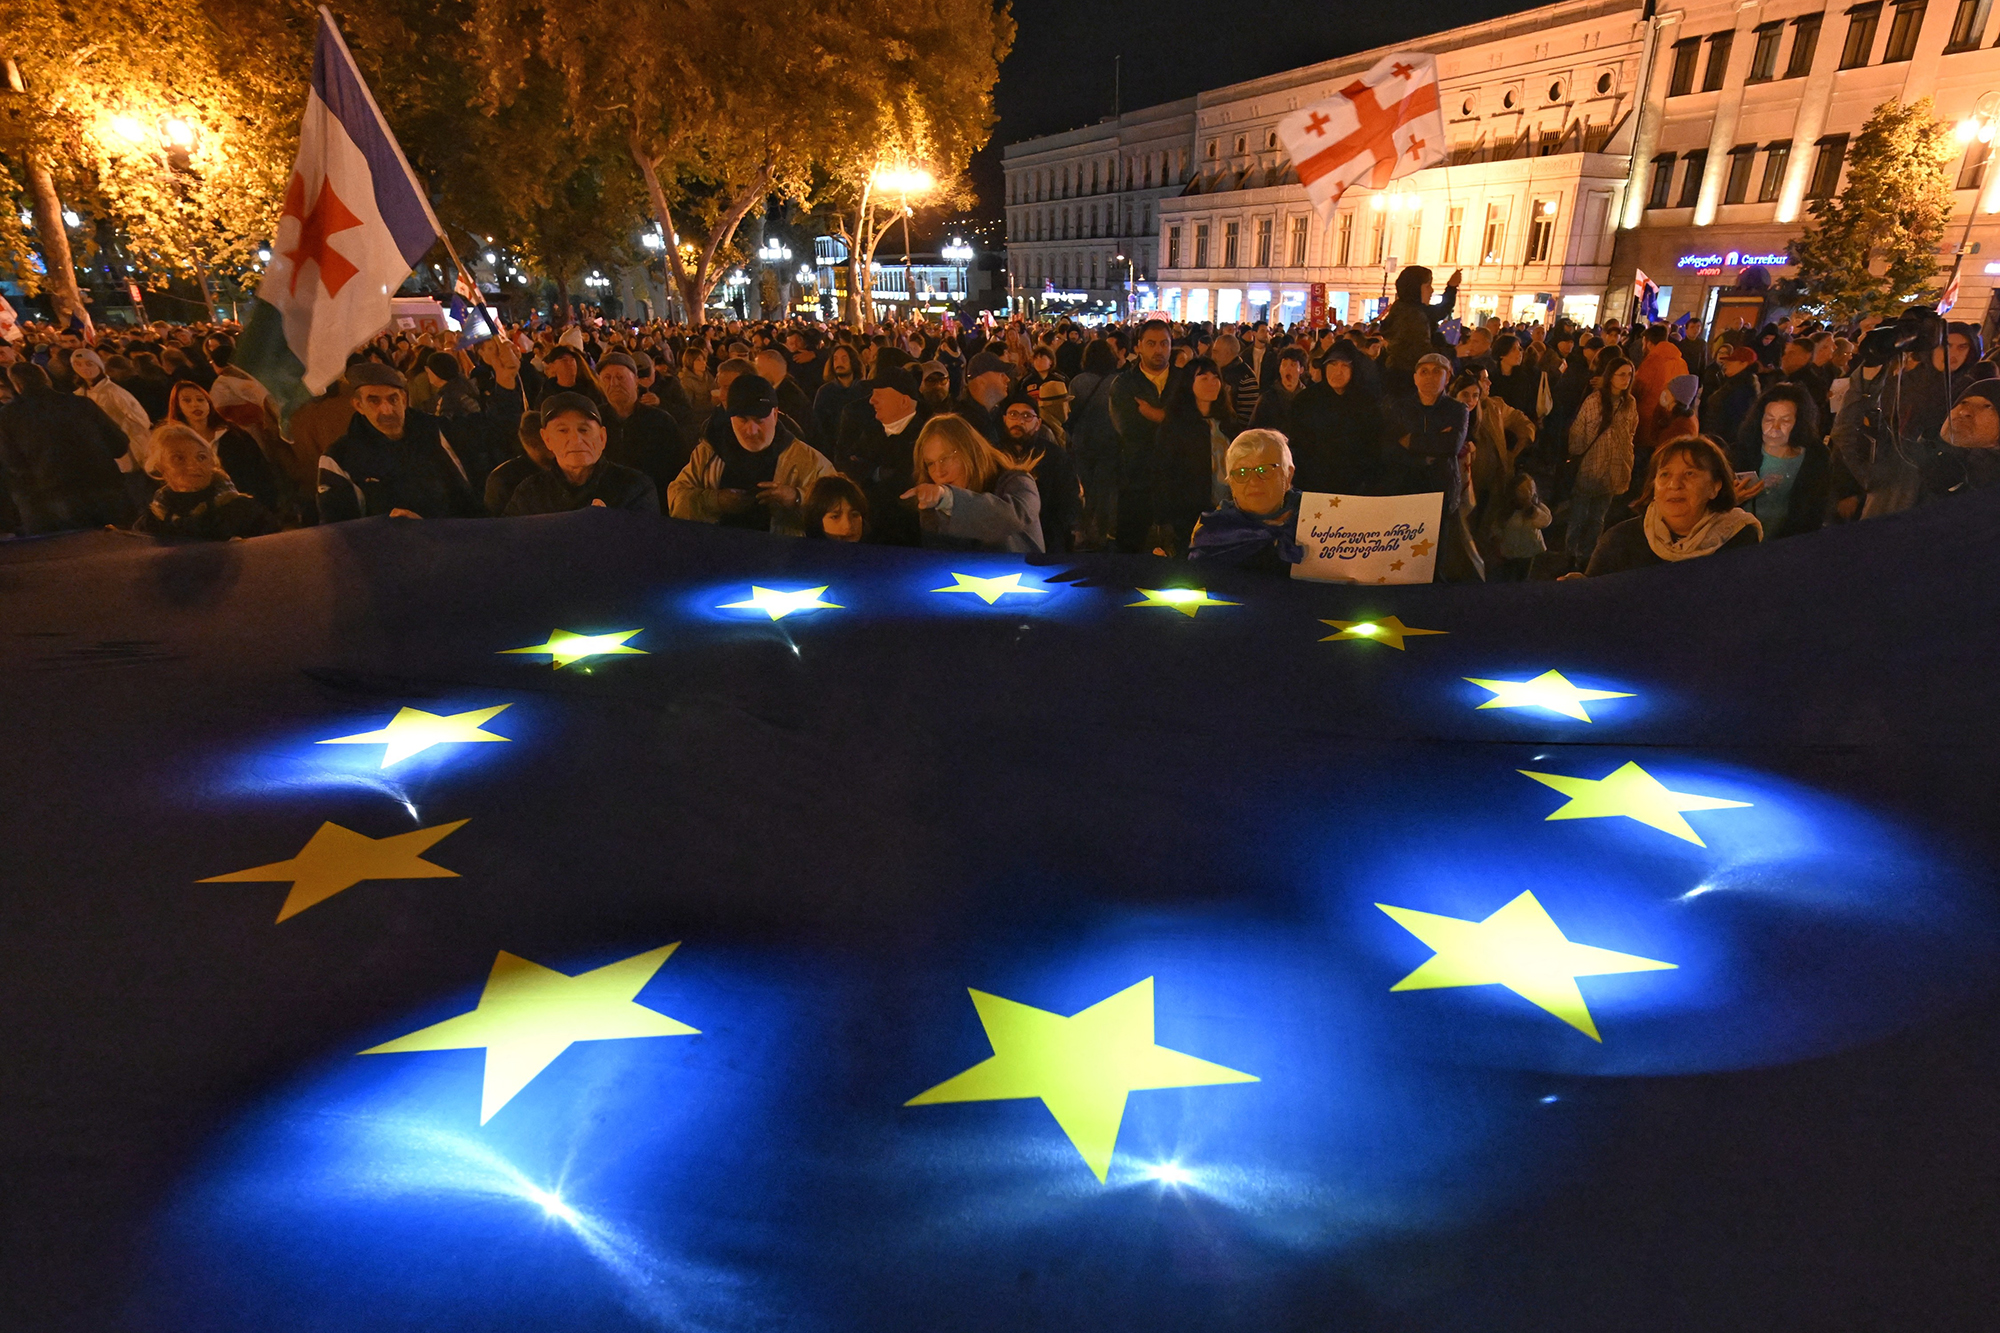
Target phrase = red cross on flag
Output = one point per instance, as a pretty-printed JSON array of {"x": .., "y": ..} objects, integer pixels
[{"x": 1376, "y": 128}]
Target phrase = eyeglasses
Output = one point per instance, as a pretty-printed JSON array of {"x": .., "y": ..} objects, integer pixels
[{"x": 1260, "y": 471}]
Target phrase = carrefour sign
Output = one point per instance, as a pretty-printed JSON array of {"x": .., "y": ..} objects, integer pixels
[{"x": 1733, "y": 259}]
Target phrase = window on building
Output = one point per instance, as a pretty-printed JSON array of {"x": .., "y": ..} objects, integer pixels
[
  {"x": 1776, "y": 156},
  {"x": 1972, "y": 172},
  {"x": 1242, "y": 144},
  {"x": 1697, "y": 163},
  {"x": 1378, "y": 237},
  {"x": 1173, "y": 247},
  {"x": 1201, "y": 245},
  {"x": 1343, "y": 244},
  {"x": 1904, "y": 25},
  {"x": 1230, "y": 231},
  {"x": 1687, "y": 52},
  {"x": 1263, "y": 242},
  {"x": 1093, "y": 270},
  {"x": 1496, "y": 234},
  {"x": 1718, "y": 61},
  {"x": 1826, "y": 167},
  {"x": 1454, "y": 227},
  {"x": 1805, "y": 40},
  {"x": 1301, "y": 227},
  {"x": 1968, "y": 26},
  {"x": 1861, "y": 21},
  {"x": 1736, "y": 187},
  {"x": 1764, "y": 56},
  {"x": 1412, "y": 236},
  {"x": 1541, "y": 230},
  {"x": 1214, "y": 149},
  {"x": 1663, "y": 181}
]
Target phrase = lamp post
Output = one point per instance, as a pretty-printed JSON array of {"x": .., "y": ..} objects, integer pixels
[
  {"x": 175, "y": 137},
  {"x": 772, "y": 254},
  {"x": 905, "y": 181},
  {"x": 1979, "y": 125}
]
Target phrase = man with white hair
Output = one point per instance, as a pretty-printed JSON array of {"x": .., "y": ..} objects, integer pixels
[{"x": 1257, "y": 526}]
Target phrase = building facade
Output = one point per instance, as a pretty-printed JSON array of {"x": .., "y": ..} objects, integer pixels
[{"x": 1590, "y": 141}]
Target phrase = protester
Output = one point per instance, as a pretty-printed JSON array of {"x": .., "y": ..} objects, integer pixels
[
  {"x": 1337, "y": 428},
  {"x": 1256, "y": 527},
  {"x": 1784, "y": 472},
  {"x": 391, "y": 460},
  {"x": 1966, "y": 456},
  {"x": 583, "y": 477},
  {"x": 1687, "y": 510},
  {"x": 59, "y": 457},
  {"x": 196, "y": 500},
  {"x": 118, "y": 404},
  {"x": 836, "y": 510},
  {"x": 1138, "y": 406},
  {"x": 1520, "y": 539},
  {"x": 988, "y": 381},
  {"x": 776, "y": 369},
  {"x": 1189, "y": 476},
  {"x": 1411, "y": 323},
  {"x": 970, "y": 495},
  {"x": 236, "y": 450},
  {"x": 533, "y": 457},
  {"x": 840, "y": 386},
  {"x": 637, "y": 436},
  {"x": 1601, "y": 439},
  {"x": 754, "y": 471},
  {"x": 1025, "y": 436}
]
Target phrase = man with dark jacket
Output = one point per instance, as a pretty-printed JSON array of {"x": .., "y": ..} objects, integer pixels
[
  {"x": 1237, "y": 376},
  {"x": 59, "y": 457},
  {"x": 793, "y": 401},
  {"x": 877, "y": 448},
  {"x": 988, "y": 381},
  {"x": 1138, "y": 406},
  {"x": 638, "y": 436},
  {"x": 391, "y": 460},
  {"x": 583, "y": 478},
  {"x": 1727, "y": 401},
  {"x": 1429, "y": 427},
  {"x": 1055, "y": 473}
]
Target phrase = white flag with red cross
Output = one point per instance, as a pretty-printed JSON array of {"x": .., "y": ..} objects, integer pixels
[{"x": 1383, "y": 125}]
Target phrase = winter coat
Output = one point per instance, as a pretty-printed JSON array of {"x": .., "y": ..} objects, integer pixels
[
  {"x": 649, "y": 441},
  {"x": 365, "y": 474},
  {"x": 695, "y": 493},
  {"x": 1411, "y": 330},
  {"x": 1056, "y": 483},
  {"x": 1184, "y": 465},
  {"x": 59, "y": 461},
  {"x": 608, "y": 484},
  {"x": 218, "y": 512},
  {"x": 1336, "y": 440},
  {"x": 1006, "y": 518},
  {"x": 1604, "y": 448}
]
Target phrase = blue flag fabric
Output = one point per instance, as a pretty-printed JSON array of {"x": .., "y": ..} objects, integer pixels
[{"x": 605, "y": 923}]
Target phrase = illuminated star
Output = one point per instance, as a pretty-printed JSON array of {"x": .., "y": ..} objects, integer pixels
[
  {"x": 564, "y": 647},
  {"x": 991, "y": 590},
  {"x": 778, "y": 605},
  {"x": 412, "y": 731},
  {"x": 1548, "y": 690},
  {"x": 1082, "y": 1067},
  {"x": 529, "y": 1014},
  {"x": 1633, "y": 792},
  {"x": 1187, "y": 601},
  {"x": 1519, "y": 947},
  {"x": 336, "y": 858},
  {"x": 1383, "y": 629}
]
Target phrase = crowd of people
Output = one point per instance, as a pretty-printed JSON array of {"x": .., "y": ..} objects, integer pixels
[{"x": 1556, "y": 450}]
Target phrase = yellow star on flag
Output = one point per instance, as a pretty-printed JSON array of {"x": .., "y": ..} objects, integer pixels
[
  {"x": 990, "y": 590},
  {"x": 1548, "y": 690},
  {"x": 1384, "y": 629},
  {"x": 1519, "y": 947},
  {"x": 778, "y": 605},
  {"x": 1633, "y": 792},
  {"x": 1082, "y": 1067},
  {"x": 529, "y": 1014},
  {"x": 336, "y": 858},
  {"x": 412, "y": 731},
  {"x": 564, "y": 647},
  {"x": 1187, "y": 601}
]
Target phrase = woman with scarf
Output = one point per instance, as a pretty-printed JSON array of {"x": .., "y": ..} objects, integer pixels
[
  {"x": 196, "y": 500},
  {"x": 1687, "y": 510},
  {"x": 1257, "y": 526}
]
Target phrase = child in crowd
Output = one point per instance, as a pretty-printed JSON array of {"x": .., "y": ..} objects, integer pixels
[{"x": 1521, "y": 535}]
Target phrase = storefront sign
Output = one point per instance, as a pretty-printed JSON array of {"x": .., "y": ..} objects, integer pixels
[
  {"x": 1712, "y": 261},
  {"x": 1315, "y": 304},
  {"x": 1071, "y": 297}
]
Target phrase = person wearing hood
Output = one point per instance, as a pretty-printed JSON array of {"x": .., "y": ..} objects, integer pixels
[
  {"x": 1257, "y": 526},
  {"x": 1735, "y": 388},
  {"x": 392, "y": 461},
  {"x": 1663, "y": 363},
  {"x": 754, "y": 472},
  {"x": 1188, "y": 476},
  {"x": 583, "y": 477},
  {"x": 1687, "y": 510},
  {"x": 1678, "y": 402},
  {"x": 118, "y": 404},
  {"x": 1411, "y": 323},
  {"x": 196, "y": 500},
  {"x": 1027, "y": 439},
  {"x": 638, "y": 436},
  {"x": 1966, "y": 456},
  {"x": 1335, "y": 435}
]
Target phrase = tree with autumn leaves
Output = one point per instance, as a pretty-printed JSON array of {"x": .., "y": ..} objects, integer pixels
[{"x": 557, "y": 127}]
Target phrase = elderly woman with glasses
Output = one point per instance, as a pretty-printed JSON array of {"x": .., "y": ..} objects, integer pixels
[{"x": 1257, "y": 526}]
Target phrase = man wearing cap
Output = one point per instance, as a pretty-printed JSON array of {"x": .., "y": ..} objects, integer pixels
[
  {"x": 988, "y": 381},
  {"x": 582, "y": 478},
  {"x": 567, "y": 371},
  {"x": 392, "y": 460},
  {"x": 755, "y": 476},
  {"x": 877, "y": 446},
  {"x": 1053, "y": 398},
  {"x": 638, "y": 436},
  {"x": 1966, "y": 455},
  {"x": 935, "y": 385},
  {"x": 1429, "y": 427},
  {"x": 1728, "y": 399},
  {"x": 1054, "y": 471}
]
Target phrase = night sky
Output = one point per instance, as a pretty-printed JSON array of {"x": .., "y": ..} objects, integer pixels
[{"x": 1059, "y": 75}]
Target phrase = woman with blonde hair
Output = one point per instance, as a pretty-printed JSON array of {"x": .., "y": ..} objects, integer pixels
[
  {"x": 969, "y": 495},
  {"x": 196, "y": 499}
]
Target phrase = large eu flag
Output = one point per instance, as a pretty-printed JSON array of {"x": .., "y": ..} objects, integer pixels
[{"x": 593, "y": 922}]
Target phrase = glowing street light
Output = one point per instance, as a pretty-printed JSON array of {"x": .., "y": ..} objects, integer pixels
[
  {"x": 179, "y": 132},
  {"x": 130, "y": 130},
  {"x": 958, "y": 252}
]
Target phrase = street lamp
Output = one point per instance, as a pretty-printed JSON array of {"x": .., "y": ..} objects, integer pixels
[
  {"x": 1979, "y": 125},
  {"x": 905, "y": 181},
  {"x": 171, "y": 145}
]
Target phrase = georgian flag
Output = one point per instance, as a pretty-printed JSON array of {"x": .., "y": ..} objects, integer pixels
[
  {"x": 354, "y": 224},
  {"x": 1384, "y": 125},
  {"x": 10, "y": 328}
]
